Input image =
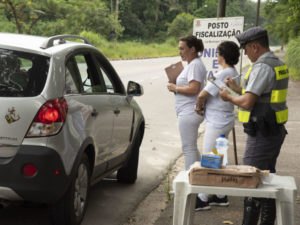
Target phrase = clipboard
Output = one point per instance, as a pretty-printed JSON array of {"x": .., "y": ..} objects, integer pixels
[
  {"x": 173, "y": 71},
  {"x": 219, "y": 84}
]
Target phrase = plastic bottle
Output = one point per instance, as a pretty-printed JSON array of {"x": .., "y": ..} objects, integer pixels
[{"x": 222, "y": 145}]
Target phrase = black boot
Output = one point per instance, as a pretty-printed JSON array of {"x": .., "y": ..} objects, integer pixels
[
  {"x": 251, "y": 211},
  {"x": 268, "y": 211}
]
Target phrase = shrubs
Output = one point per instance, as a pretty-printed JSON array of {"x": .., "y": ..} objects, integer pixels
[
  {"x": 182, "y": 25},
  {"x": 95, "y": 39},
  {"x": 292, "y": 58},
  {"x": 131, "y": 49},
  {"x": 138, "y": 50}
]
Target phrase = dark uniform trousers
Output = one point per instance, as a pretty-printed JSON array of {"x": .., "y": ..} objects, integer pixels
[{"x": 262, "y": 152}]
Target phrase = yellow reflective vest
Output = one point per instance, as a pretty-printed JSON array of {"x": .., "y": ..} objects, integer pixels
[{"x": 276, "y": 99}]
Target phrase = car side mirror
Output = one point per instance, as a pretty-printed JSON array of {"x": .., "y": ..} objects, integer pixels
[{"x": 134, "y": 89}]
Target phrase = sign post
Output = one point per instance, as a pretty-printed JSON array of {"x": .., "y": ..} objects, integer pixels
[{"x": 213, "y": 31}]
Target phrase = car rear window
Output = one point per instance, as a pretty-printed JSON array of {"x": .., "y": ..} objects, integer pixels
[{"x": 22, "y": 74}]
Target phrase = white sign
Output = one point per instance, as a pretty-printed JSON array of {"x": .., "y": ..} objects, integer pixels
[{"x": 213, "y": 31}]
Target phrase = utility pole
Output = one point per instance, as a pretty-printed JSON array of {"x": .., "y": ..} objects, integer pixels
[
  {"x": 117, "y": 8},
  {"x": 221, "y": 8},
  {"x": 221, "y": 13},
  {"x": 257, "y": 12},
  {"x": 117, "y": 17}
]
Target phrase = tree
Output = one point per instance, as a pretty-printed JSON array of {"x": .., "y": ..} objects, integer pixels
[
  {"x": 244, "y": 8},
  {"x": 50, "y": 17},
  {"x": 131, "y": 18},
  {"x": 25, "y": 14},
  {"x": 75, "y": 16},
  {"x": 282, "y": 19},
  {"x": 295, "y": 9},
  {"x": 208, "y": 9},
  {"x": 182, "y": 25},
  {"x": 145, "y": 19}
]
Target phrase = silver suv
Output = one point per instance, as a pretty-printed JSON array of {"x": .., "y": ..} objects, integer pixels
[{"x": 66, "y": 121}]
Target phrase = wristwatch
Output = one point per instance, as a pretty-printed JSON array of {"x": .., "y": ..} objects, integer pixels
[{"x": 176, "y": 90}]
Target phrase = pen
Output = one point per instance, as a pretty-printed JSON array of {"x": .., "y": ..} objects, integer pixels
[
  {"x": 237, "y": 76},
  {"x": 211, "y": 76}
]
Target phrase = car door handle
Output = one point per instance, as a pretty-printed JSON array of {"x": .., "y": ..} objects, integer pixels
[
  {"x": 117, "y": 111},
  {"x": 94, "y": 113}
]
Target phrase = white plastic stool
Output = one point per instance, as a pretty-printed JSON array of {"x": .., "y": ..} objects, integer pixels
[{"x": 281, "y": 188}]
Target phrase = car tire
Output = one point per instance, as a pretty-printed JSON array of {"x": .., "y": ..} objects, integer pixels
[
  {"x": 71, "y": 209},
  {"x": 128, "y": 173}
]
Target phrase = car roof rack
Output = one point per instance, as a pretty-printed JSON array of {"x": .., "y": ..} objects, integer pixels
[{"x": 50, "y": 41}]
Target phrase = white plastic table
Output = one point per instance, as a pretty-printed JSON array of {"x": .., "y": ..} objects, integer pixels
[{"x": 281, "y": 188}]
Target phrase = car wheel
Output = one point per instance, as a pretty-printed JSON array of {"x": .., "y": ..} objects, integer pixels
[
  {"x": 128, "y": 173},
  {"x": 71, "y": 209}
]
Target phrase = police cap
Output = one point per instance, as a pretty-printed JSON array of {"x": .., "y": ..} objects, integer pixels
[{"x": 251, "y": 34}]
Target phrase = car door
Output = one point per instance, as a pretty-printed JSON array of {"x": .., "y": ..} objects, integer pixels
[
  {"x": 98, "y": 109},
  {"x": 122, "y": 112}
]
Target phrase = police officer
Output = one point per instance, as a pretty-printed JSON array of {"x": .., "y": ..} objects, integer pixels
[{"x": 263, "y": 112}]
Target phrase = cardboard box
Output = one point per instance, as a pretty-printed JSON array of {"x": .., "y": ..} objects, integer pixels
[
  {"x": 230, "y": 176},
  {"x": 211, "y": 160}
]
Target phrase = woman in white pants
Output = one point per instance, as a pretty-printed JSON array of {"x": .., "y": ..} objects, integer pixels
[
  {"x": 219, "y": 115},
  {"x": 188, "y": 85}
]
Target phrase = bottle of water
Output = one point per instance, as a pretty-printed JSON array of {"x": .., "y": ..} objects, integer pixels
[{"x": 222, "y": 145}]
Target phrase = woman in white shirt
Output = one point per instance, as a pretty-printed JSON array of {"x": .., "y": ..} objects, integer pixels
[
  {"x": 188, "y": 85},
  {"x": 219, "y": 115}
]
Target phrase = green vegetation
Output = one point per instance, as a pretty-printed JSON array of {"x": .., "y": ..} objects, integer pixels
[
  {"x": 132, "y": 49},
  {"x": 120, "y": 29},
  {"x": 292, "y": 57},
  {"x": 138, "y": 50},
  {"x": 140, "y": 28},
  {"x": 282, "y": 20},
  {"x": 181, "y": 25}
]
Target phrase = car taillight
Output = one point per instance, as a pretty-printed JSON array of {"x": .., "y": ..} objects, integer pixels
[
  {"x": 48, "y": 115},
  {"x": 50, "y": 119}
]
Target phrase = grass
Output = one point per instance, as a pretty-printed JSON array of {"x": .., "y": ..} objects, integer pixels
[
  {"x": 168, "y": 187},
  {"x": 137, "y": 50},
  {"x": 294, "y": 74},
  {"x": 131, "y": 49},
  {"x": 292, "y": 57}
]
